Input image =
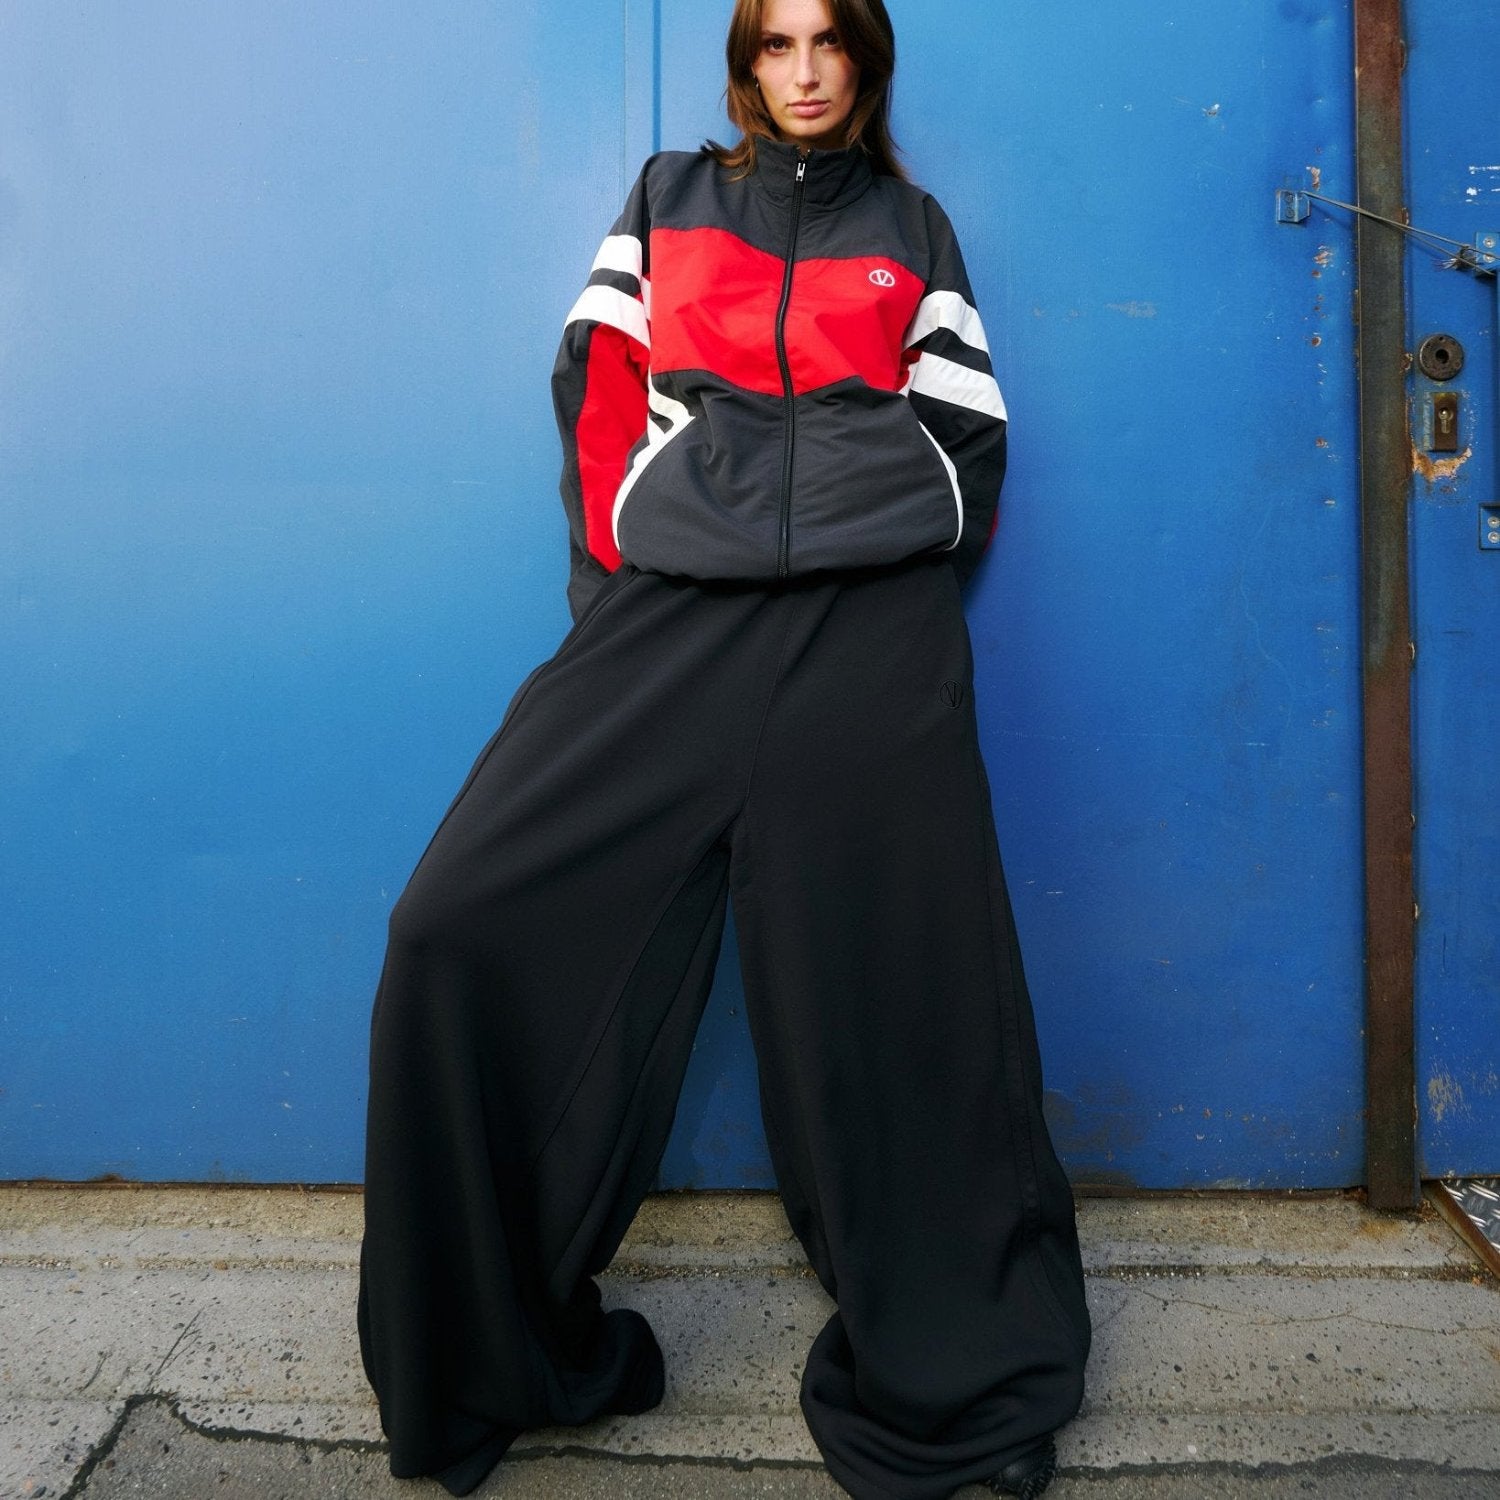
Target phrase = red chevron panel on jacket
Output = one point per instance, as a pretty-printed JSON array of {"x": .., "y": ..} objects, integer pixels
[
  {"x": 713, "y": 307},
  {"x": 611, "y": 422}
]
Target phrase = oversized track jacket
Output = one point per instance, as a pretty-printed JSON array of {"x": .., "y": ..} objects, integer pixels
[{"x": 775, "y": 376}]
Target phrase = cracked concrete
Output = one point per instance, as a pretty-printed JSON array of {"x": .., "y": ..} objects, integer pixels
[
  {"x": 172, "y": 1341},
  {"x": 155, "y": 1452}
]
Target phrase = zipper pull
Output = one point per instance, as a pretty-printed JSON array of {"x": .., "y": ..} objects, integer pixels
[{"x": 801, "y": 168}]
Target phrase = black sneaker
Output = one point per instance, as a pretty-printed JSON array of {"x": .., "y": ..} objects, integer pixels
[
  {"x": 647, "y": 1383},
  {"x": 1028, "y": 1475}
]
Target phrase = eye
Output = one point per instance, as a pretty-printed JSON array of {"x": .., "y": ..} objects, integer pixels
[
  {"x": 773, "y": 44},
  {"x": 829, "y": 39}
]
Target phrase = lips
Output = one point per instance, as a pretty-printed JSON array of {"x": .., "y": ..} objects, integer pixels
[{"x": 809, "y": 110}]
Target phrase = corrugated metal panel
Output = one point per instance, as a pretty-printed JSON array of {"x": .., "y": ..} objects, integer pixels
[
  {"x": 1167, "y": 631},
  {"x": 280, "y": 530},
  {"x": 282, "y": 486},
  {"x": 1454, "y": 176}
]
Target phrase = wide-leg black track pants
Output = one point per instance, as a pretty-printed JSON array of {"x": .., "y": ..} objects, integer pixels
[{"x": 811, "y": 750}]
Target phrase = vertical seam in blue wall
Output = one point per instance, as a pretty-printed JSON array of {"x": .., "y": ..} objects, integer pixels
[
  {"x": 641, "y": 63},
  {"x": 625, "y": 81},
  {"x": 655, "y": 76}
]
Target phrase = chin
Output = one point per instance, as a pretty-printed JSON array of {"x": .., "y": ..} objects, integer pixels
[{"x": 814, "y": 133}]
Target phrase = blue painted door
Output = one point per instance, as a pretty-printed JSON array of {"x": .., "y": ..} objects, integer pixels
[
  {"x": 280, "y": 289},
  {"x": 1454, "y": 189},
  {"x": 1166, "y": 630}
]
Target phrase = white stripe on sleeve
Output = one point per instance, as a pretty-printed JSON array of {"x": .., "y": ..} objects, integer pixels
[
  {"x": 605, "y": 304},
  {"x": 619, "y": 252},
  {"x": 947, "y": 380},
  {"x": 947, "y": 310}
]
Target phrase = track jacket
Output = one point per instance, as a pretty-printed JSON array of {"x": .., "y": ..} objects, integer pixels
[{"x": 775, "y": 376}]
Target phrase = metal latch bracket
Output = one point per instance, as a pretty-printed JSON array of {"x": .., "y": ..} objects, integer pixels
[{"x": 1489, "y": 528}]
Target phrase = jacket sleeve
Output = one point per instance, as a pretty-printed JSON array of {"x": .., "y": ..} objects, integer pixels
[
  {"x": 599, "y": 384},
  {"x": 952, "y": 389}
]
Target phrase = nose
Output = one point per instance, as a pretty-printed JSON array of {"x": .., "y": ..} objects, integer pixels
[{"x": 807, "y": 67}]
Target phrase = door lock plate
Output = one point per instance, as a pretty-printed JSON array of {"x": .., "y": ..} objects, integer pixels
[
  {"x": 1489, "y": 528},
  {"x": 1442, "y": 422}
]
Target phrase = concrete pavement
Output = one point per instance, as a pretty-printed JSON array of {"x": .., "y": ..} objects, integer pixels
[{"x": 191, "y": 1341}]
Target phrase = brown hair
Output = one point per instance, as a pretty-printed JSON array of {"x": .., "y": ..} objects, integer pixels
[{"x": 866, "y": 34}]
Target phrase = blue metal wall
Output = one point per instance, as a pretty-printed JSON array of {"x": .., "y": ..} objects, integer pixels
[
  {"x": 280, "y": 289},
  {"x": 1454, "y": 189},
  {"x": 1169, "y": 625}
]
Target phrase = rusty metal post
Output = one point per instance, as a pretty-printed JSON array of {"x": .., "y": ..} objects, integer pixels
[{"x": 1385, "y": 478}]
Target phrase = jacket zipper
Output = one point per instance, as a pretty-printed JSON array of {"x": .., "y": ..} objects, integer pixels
[{"x": 789, "y": 421}]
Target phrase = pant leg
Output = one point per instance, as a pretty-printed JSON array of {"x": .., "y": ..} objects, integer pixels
[
  {"x": 547, "y": 966},
  {"x": 900, "y": 1081}
]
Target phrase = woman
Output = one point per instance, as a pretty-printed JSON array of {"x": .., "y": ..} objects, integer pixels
[{"x": 783, "y": 446}]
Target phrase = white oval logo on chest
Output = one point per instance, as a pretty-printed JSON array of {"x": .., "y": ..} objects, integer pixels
[{"x": 882, "y": 277}]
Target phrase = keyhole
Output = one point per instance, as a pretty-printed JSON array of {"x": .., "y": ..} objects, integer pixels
[{"x": 1444, "y": 428}]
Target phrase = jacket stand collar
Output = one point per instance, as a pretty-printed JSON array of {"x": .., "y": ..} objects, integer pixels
[{"x": 832, "y": 179}]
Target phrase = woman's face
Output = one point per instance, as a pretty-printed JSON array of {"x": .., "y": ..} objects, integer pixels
[{"x": 806, "y": 78}]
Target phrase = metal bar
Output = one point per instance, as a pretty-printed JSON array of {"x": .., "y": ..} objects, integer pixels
[
  {"x": 1452, "y": 1201},
  {"x": 1385, "y": 475}
]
